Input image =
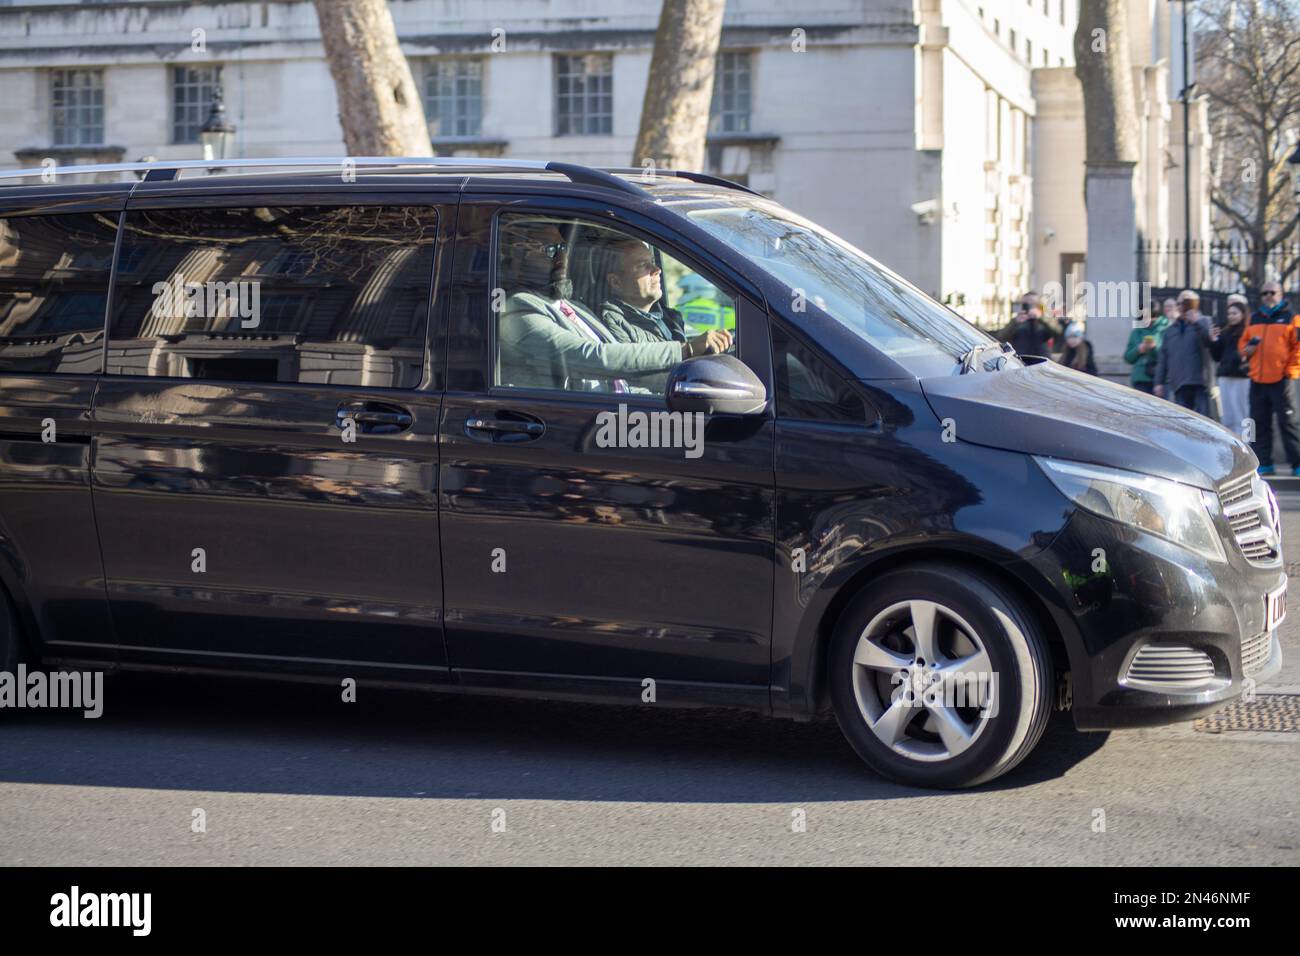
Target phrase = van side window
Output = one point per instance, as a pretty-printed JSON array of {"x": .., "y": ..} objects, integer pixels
[
  {"x": 583, "y": 307},
  {"x": 54, "y": 274},
  {"x": 320, "y": 295},
  {"x": 808, "y": 388}
]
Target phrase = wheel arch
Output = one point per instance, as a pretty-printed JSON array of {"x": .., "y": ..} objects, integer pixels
[
  {"x": 1054, "y": 623},
  {"x": 21, "y": 613}
]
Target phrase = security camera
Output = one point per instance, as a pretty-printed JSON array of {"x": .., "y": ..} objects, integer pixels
[
  {"x": 926, "y": 210},
  {"x": 1048, "y": 235}
]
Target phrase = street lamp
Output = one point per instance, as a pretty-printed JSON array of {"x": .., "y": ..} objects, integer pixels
[
  {"x": 217, "y": 134},
  {"x": 1185, "y": 96}
]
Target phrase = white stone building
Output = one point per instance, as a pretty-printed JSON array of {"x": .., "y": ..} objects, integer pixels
[{"x": 945, "y": 137}]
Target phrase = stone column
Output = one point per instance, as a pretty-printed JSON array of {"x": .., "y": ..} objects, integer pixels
[{"x": 1113, "y": 295}]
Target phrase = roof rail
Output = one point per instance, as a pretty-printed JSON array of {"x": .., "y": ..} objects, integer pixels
[
  {"x": 281, "y": 162},
  {"x": 595, "y": 177},
  {"x": 704, "y": 178},
  {"x": 163, "y": 170}
]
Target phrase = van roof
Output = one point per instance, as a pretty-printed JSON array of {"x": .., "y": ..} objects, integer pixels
[{"x": 47, "y": 184}]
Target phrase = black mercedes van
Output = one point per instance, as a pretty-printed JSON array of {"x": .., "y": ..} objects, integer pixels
[{"x": 534, "y": 428}]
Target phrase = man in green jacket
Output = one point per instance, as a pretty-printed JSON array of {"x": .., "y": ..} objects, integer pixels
[{"x": 1144, "y": 347}]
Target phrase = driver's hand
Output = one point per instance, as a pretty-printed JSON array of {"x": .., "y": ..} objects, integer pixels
[{"x": 710, "y": 343}]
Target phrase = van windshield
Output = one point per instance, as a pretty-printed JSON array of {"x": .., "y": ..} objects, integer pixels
[{"x": 888, "y": 311}]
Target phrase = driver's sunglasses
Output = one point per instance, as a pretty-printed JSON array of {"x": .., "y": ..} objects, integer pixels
[{"x": 1270, "y": 292}]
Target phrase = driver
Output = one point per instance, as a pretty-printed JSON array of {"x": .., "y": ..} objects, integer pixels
[
  {"x": 632, "y": 311},
  {"x": 548, "y": 341}
]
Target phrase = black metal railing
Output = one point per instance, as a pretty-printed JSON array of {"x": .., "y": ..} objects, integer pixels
[{"x": 1224, "y": 266}]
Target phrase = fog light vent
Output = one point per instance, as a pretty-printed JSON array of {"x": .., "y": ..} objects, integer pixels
[
  {"x": 1170, "y": 664},
  {"x": 1254, "y": 653}
]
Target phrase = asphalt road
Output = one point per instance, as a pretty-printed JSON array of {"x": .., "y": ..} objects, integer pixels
[{"x": 289, "y": 775}]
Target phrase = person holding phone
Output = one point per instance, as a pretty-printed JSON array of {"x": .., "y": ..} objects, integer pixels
[
  {"x": 1144, "y": 345},
  {"x": 1184, "y": 370},
  {"x": 1030, "y": 332},
  {"x": 1271, "y": 345}
]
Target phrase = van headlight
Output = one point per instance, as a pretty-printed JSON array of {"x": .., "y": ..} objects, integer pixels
[{"x": 1178, "y": 512}]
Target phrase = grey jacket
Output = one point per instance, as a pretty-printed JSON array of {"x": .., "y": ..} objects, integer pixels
[
  {"x": 541, "y": 347},
  {"x": 629, "y": 324},
  {"x": 1185, "y": 356}
]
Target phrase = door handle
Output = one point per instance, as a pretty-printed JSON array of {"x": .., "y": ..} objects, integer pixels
[
  {"x": 375, "y": 418},
  {"x": 516, "y": 427}
]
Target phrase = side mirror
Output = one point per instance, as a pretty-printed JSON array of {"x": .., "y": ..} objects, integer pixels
[{"x": 715, "y": 385}]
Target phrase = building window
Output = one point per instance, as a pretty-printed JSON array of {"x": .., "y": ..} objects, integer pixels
[
  {"x": 1029, "y": 51},
  {"x": 1011, "y": 37},
  {"x": 729, "y": 112},
  {"x": 584, "y": 94},
  {"x": 453, "y": 97},
  {"x": 192, "y": 91},
  {"x": 77, "y": 99}
]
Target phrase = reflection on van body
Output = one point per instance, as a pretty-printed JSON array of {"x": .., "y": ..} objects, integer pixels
[
  {"x": 53, "y": 283},
  {"x": 341, "y": 294}
]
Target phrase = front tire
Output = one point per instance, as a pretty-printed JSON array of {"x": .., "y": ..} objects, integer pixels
[{"x": 940, "y": 677}]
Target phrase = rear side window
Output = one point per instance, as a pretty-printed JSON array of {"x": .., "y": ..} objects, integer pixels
[
  {"x": 54, "y": 274},
  {"x": 328, "y": 296}
]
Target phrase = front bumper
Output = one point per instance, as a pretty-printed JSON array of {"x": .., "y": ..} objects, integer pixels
[{"x": 1156, "y": 633}]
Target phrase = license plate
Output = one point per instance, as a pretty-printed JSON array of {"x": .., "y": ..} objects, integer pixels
[{"x": 1274, "y": 608}]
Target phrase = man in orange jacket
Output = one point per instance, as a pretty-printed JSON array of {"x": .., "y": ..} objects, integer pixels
[{"x": 1271, "y": 342}]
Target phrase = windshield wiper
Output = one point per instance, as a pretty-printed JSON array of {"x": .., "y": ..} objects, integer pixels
[{"x": 970, "y": 360}]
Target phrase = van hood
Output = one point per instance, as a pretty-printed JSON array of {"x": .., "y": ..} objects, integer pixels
[{"x": 1048, "y": 409}]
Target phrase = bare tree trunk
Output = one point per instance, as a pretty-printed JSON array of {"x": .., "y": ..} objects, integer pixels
[
  {"x": 675, "y": 113},
  {"x": 1105, "y": 70},
  {"x": 379, "y": 106},
  {"x": 1250, "y": 55}
]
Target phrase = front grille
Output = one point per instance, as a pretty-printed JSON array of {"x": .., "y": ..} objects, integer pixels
[
  {"x": 1242, "y": 523},
  {"x": 1257, "y": 552},
  {"x": 1251, "y": 511},
  {"x": 1254, "y": 653},
  {"x": 1170, "y": 664},
  {"x": 1238, "y": 489}
]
